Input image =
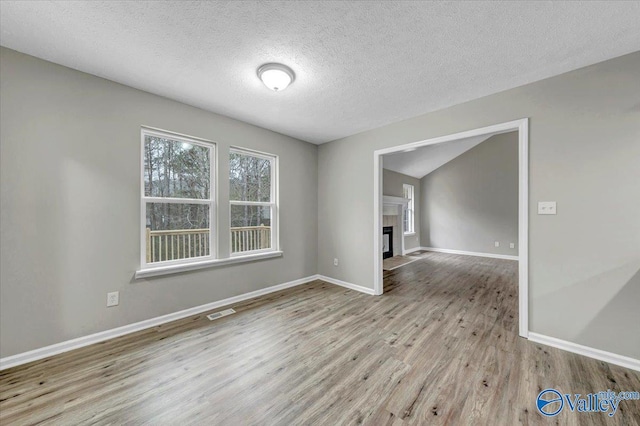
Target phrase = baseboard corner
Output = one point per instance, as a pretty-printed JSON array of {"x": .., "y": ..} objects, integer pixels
[
  {"x": 348, "y": 285},
  {"x": 411, "y": 250}
]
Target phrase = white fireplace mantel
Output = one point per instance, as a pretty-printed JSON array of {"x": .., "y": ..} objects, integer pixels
[{"x": 389, "y": 199}]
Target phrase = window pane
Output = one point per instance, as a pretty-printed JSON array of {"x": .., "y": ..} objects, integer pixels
[
  {"x": 250, "y": 228},
  {"x": 406, "y": 221},
  {"x": 249, "y": 177},
  {"x": 176, "y": 169},
  {"x": 176, "y": 231},
  {"x": 409, "y": 224}
]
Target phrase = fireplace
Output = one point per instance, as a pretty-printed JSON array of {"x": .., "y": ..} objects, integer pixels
[{"x": 387, "y": 242}]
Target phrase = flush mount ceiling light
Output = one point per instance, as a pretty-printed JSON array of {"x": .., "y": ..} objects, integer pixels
[{"x": 276, "y": 76}]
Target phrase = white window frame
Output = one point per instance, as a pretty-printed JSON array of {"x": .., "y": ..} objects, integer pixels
[
  {"x": 274, "y": 203},
  {"x": 211, "y": 201},
  {"x": 410, "y": 208}
]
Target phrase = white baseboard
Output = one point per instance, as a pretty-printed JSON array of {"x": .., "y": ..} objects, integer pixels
[
  {"x": 598, "y": 354},
  {"x": 345, "y": 284},
  {"x": 412, "y": 250},
  {"x": 58, "y": 348},
  {"x": 471, "y": 253}
]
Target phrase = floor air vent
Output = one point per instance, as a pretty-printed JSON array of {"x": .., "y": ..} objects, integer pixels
[{"x": 221, "y": 314}]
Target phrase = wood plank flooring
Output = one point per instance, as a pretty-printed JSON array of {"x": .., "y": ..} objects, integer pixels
[{"x": 439, "y": 347}]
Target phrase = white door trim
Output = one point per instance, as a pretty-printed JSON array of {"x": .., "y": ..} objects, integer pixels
[{"x": 522, "y": 127}]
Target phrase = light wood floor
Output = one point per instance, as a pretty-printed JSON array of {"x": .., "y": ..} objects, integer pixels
[{"x": 440, "y": 347}]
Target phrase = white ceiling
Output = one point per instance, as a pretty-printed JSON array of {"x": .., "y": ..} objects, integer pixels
[
  {"x": 359, "y": 65},
  {"x": 422, "y": 161}
]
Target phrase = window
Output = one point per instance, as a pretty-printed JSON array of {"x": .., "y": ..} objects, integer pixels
[
  {"x": 409, "y": 219},
  {"x": 252, "y": 196},
  {"x": 177, "y": 199}
]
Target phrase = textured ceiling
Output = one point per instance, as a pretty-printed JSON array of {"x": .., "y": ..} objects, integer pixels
[
  {"x": 422, "y": 161},
  {"x": 359, "y": 65}
]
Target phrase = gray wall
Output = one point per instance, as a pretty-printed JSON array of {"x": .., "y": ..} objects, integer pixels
[
  {"x": 472, "y": 201},
  {"x": 584, "y": 154},
  {"x": 70, "y": 205},
  {"x": 392, "y": 183}
]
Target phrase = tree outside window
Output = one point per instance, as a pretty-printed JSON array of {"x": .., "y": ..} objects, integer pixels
[{"x": 252, "y": 200}]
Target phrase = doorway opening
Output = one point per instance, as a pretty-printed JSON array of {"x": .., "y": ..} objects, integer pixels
[{"x": 519, "y": 126}]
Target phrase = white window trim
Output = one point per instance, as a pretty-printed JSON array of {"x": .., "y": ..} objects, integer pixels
[
  {"x": 410, "y": 208},
  {"x": 274, "y": 203},
  {"x": 147, "y": 269},
  {"x": 192, "y": 266}
]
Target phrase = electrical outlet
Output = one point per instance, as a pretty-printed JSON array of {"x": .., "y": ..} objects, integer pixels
[
  {"x": 512, "y": 245},
  {"x": 497, "y": 243},
  {"x": 113, "y": 298},
  {"x": 335, "y": 261}
]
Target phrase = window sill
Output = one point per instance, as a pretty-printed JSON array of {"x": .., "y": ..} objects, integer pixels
[
  {"x": 409, "y": 234},
  {"x": 174, "y": 269}
]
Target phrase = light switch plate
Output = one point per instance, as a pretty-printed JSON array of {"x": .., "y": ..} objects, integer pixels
[{"x": 546, "y": 207}]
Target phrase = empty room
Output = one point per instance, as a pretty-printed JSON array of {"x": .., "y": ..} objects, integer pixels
[{"x": 331, "y": 213}]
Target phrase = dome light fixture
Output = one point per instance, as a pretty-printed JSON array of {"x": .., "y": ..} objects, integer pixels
[{"x": 276, "y": 76}]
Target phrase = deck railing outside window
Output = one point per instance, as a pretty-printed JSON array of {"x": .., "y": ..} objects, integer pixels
[
  {"x": 247, "y": 238},
  {"x": 186, "y": 243}
]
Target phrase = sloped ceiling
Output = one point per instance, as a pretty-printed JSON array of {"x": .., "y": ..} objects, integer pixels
[
  {"x": 359, "y": 65},
  {"x": 422, "y": 161}
]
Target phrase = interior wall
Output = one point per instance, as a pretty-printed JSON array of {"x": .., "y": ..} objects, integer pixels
[
  {"x": 472, "y": 201},
  {"x": 584, "y": 139},
  {"x": 70, "y": 205},
  {"x": 392, "y": 183}
]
